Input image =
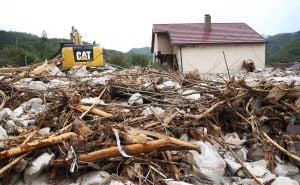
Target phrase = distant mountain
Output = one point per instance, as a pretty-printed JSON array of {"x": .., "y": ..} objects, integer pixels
[
  {"x": 283, "y": 48},
  {"x": 141, "y": 51}
]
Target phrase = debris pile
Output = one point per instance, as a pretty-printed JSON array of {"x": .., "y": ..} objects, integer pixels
[{"x": 145, "y": 126}]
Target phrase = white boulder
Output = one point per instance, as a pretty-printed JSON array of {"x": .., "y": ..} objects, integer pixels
[
  {"x": 94, "y": 178},
  {"x": 284, "y": 181},
  {"x": 286, "y": 169},
  {"x": 37, "y": 166},
  {"x": 136, "y": 98},
  {"x": 209, "y": 162}
]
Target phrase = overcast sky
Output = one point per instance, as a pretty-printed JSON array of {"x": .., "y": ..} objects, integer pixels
[{"x": 125, "y": 24}]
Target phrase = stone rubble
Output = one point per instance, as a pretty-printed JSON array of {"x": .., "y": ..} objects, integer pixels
[{"x": 158, "y": 106}]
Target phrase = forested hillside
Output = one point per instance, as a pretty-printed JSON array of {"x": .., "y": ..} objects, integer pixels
[
  {"x": 283, "y": 48},
  {"x": 17, "y": 49}
]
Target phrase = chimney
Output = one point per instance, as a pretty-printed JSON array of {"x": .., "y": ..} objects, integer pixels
[{"x": 207, "y": 22}]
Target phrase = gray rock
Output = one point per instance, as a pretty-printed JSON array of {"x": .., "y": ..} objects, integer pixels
[
  {"x": 94, "y": 178},
  {"x": 235, "y": 178},
  {"x": 241, "y": 173},
  {"x": 41, "y": 180},
  {"x": 55, "y": 83},
  {"x": 17, "y": 112},
  {"x": 6, "y": 112},
  {"x": 234, "y": 139},
  {"x": 256, "y": 152},
  {"x": 100, "y": 80},
  {"x": 26, "y": 113},
  {"x": 36, "y": 107},
  {"x": 136, "y": 98},
  {"x": 285, "y": 181},
  {"x": 229, "y": 156},
  {"x": 233, "y": 166},
  {"x": 37, "y": 166},
  {"x": 226, "y": 181},
  {"x": 168, "y": 85},
  {"x": 259, "y": 169},
  {"x": 46, "y": 130},
  {"x": 3, "y": 135},
  {"x": 286, "y": 170},
  {"x": 172, "y": 182},
  {"x": 247, "y": 182},
  {"x": 38, "y": 86},
  {"x": 92, "y": 100},
  {"x": 12, "y": 128},
  {"x": 296, "y": 178},
  {"x": 150, "y": 110},
  {"x": 23, "y": 83},
  {"x": 78, "y": 71},
  {"x": 29, "y": 108},
  {"x": 20, "y": 166},
  {"x": 53, "y": 70},
  {"x": 184, "y": 137},
  {"x": 242, "y": 154},
  {"x": 148, "y": 86},
  {"x": 115, "y": 182},
  {"x": 23, "y": 123},
  {"x": 209, "y": 163},
  {"x": 66, "y": 181},
  {"x": 191, "y": 94}
]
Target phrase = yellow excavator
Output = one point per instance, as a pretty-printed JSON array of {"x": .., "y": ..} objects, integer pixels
[{"x": 76, "y": 53}]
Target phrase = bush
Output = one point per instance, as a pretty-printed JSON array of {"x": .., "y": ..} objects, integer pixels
[{"x": 139, "y": 60}]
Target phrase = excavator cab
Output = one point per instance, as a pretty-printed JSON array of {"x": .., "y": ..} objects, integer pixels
[{"x": 76, "y": 53}]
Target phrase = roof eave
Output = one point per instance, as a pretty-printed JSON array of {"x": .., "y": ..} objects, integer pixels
[{"x": 198, "y": 43}]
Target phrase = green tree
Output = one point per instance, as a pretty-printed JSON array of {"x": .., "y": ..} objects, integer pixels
[
  {"x": 44, "y": 46},
  {"x": 12, "y": 56},
  {"x": 119, "y": 60},
  {"x": 139, "y": 60}
]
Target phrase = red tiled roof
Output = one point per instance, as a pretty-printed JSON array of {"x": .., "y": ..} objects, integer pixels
[{"x": 194, "y": 33}]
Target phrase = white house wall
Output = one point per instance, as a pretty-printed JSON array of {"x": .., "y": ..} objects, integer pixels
[
  {"x": 162, "y": 43},
  {"x": 209, "y": 57}
]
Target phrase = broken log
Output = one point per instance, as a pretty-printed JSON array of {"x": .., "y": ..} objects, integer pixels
[
  {"x": 14, "y": 69},
  {"x": 94, "y": 110},
  {"x": 243, "y": 84},
  {"x": 277, "y": 92},
  {"x": 161, "y": 144},
  {"x": 80, "y": 127},
  {"x": 36, "y": 145},
  {"x": 165, "y": 144}
]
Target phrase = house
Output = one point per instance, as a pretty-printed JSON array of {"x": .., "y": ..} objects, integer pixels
[{"x": 205, "y": 46}]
